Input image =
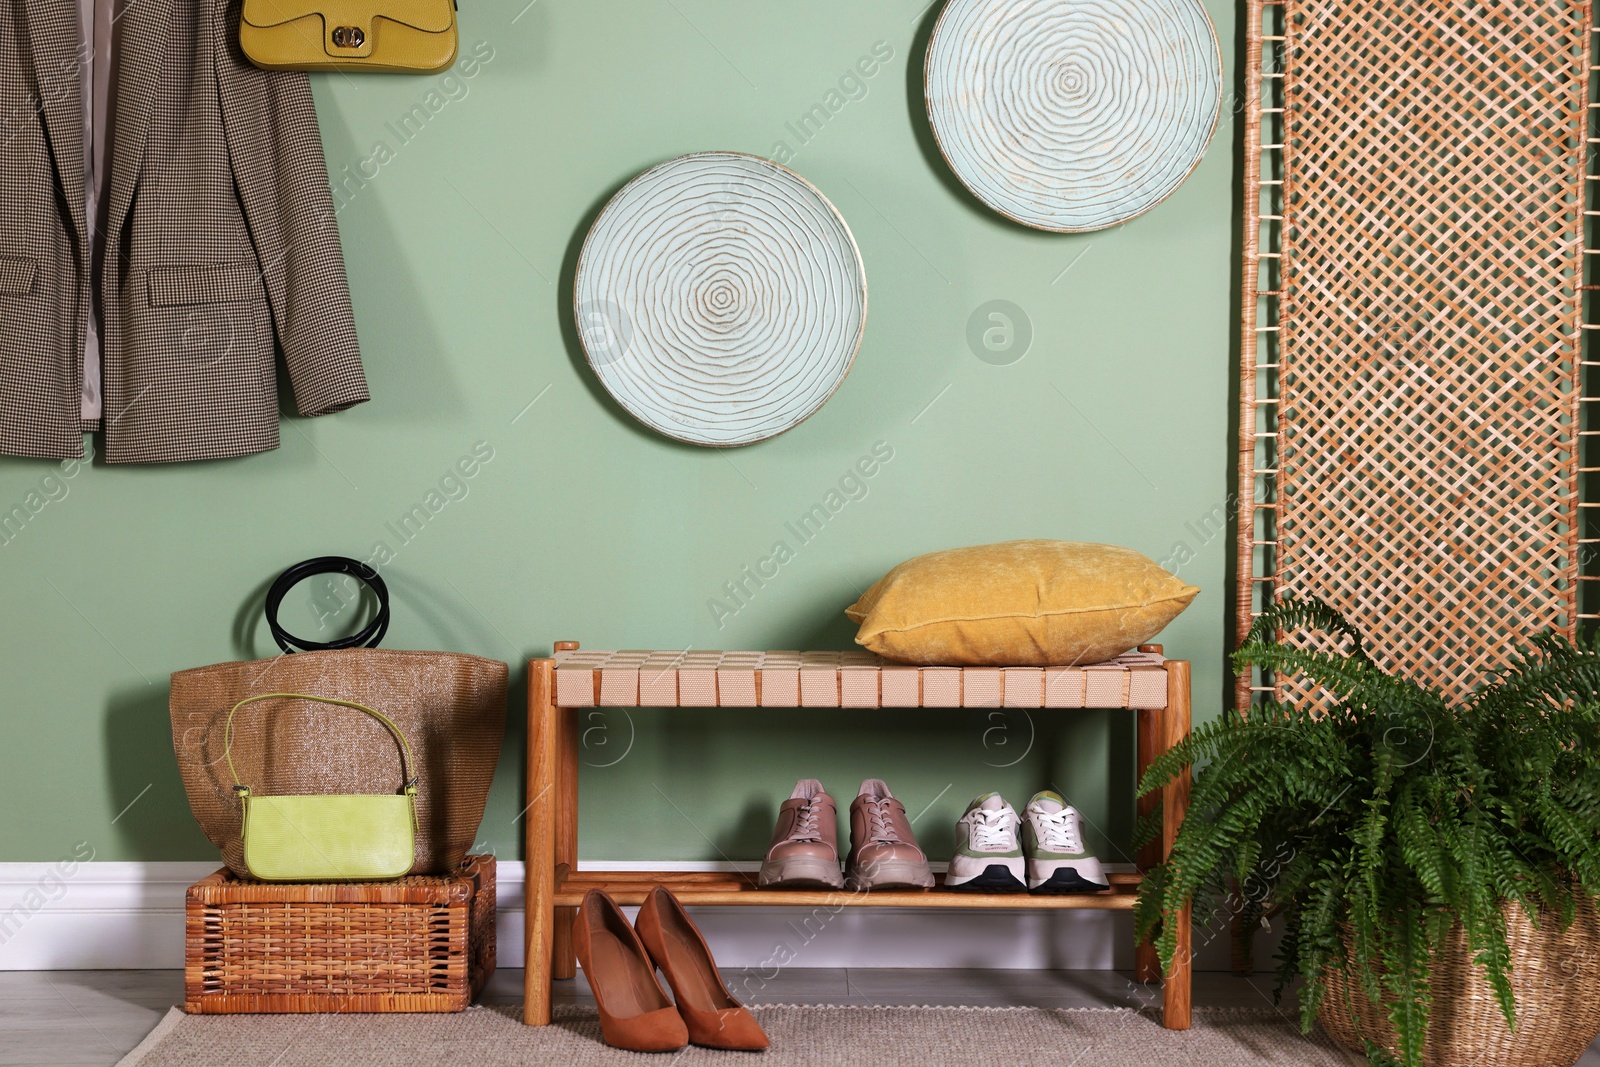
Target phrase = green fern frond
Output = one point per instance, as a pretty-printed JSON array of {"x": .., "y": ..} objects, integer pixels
[{"x": 1383, "y": 817}]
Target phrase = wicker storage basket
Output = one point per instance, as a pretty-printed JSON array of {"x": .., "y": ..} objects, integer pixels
[
  {"x": 422, "y": 943},
  {"x": 1554, "y": 977}
]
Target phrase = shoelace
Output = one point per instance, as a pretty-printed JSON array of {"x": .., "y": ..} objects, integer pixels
[
  {"x": 1058, "y": 831},
  {"x": 807, "y": 825},
  {"x": 993, "y": 830},
  {"x": 879, "y": 829}
]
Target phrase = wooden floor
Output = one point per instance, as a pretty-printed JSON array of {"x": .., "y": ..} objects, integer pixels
[{"x": 62, "y": 1018}]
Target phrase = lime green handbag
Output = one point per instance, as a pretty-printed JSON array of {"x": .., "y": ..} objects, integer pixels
[{"x": 328, "y": 838}]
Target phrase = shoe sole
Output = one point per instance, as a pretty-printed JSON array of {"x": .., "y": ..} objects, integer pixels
[
  {"x": 892, "y": 876},
  {"x": 1069, "y": 876},
  {"x": 995, "y": 878},
  {"x": 800, "y": 873}
]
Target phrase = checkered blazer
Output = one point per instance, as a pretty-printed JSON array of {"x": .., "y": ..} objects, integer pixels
[{"x": 220, "y": 243}]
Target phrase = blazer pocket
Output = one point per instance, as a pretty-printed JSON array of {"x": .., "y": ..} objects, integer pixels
[
  {"x": 215, "y": 284},
  {"x": 16, "y": 275}
]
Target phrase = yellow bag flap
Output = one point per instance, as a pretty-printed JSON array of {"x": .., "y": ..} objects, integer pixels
[{"x": 427, "y": 16}]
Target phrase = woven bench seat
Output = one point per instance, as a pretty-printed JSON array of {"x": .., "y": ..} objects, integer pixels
[{"x": 705, "y": 679}]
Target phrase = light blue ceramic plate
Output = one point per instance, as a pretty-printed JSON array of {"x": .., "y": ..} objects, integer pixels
[
  {"x": 720, "y": 298},
  {"x": 1073, "y": 115}
]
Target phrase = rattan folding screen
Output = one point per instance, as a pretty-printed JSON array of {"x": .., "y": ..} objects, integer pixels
[{"x": 1416, "y": 183}]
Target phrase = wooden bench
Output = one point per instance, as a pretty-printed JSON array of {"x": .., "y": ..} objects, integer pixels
[{"x": 1155, "y": 689}]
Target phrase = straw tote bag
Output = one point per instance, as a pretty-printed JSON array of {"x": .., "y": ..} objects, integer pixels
[{"x": 451, "y": 706}]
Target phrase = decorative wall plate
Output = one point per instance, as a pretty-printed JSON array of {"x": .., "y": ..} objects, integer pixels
[
  {"x": 720, "y": 298},
  {"x": 1072, "y": 115}
]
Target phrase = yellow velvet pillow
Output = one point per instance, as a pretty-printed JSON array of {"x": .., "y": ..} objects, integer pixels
[{"x": 1018, "y": 604}]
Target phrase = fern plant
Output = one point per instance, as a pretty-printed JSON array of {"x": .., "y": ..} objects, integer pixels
[{"x": 1380, "y": 817}]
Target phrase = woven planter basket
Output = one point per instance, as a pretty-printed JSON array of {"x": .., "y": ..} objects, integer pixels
[{"x": 1555, "y": 977}]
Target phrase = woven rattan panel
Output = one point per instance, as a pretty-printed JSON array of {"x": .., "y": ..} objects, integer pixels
[{"x": 1415, "y": 193}]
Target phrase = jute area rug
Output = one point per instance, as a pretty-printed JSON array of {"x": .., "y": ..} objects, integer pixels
[{"x": 810, "y": 1036}]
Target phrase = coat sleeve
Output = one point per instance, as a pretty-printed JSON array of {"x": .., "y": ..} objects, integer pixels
[{"x": 276, "y": 149}]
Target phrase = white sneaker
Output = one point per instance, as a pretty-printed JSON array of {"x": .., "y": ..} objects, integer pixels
[
  {"x": 988, "y": 855},
  {"x": 1057, "y": 862}
]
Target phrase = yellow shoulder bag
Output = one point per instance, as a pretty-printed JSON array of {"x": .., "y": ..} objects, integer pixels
[{"x": 396, "y": 36}]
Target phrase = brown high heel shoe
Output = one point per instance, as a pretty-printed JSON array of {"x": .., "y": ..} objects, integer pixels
[
  {"x": 635, "y": 1013},
  {"x": 714, "y": 1018}
]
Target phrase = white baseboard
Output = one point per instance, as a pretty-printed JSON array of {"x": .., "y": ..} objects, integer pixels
[{"x": 91, "y": 916}]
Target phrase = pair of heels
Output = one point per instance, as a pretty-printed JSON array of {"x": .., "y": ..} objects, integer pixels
[{"x": 620, "y": 962}]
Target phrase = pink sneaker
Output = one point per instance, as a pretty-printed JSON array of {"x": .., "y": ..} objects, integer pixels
[
  {"x": 805, "y": 843},
  {"x": 883, "y": 851}
]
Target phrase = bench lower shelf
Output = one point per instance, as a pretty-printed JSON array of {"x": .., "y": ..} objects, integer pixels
[{"x": 717, "y": 890}]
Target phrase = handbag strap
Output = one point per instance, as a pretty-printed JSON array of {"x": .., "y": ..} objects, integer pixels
[
  {"x": 407, "y": 762},
  {"x": 368, "y": 637}
]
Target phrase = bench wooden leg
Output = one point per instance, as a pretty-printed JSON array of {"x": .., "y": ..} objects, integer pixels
[
  {"x": 563, "y": 962},
  {"x": 540, "y": 821},
  {"x": 1148, "y": 740},
  {"x": 1177, "y": 988}
]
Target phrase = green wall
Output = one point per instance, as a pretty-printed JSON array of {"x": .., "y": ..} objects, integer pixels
[{"x": 461, "y": 227}]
